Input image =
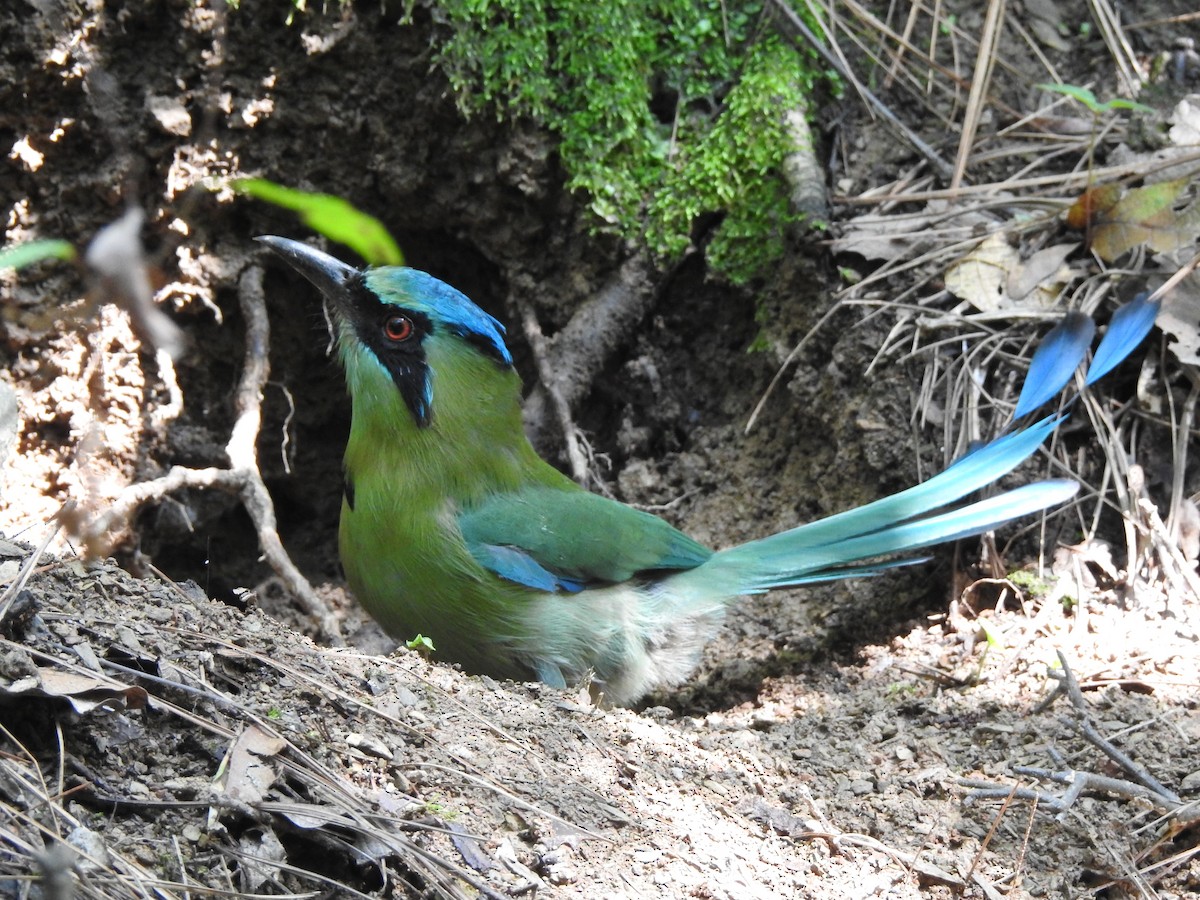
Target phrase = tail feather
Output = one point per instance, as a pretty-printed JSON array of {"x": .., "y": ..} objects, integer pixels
[
  {"x": 850, "y": 544},
  {"x": 791, "y": 557},
  {"x": 1129, "y": 325},
  {"x": 966, "y": 475},
  {"x": 1055, "y": 361}
]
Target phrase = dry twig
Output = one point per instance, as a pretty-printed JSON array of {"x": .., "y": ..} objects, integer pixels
[
  {"x": 979, "y": 88},
  {"x": 1143, "y": 785},
  {"x": 797, "y": 27},
  {"x": 242, "y": 478}
]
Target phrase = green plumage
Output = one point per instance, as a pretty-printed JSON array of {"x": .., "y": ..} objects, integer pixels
[
  {"x": 578, "y": 534},
  {"x": 404, "y": 556},
  {"x": 424, "y": 496}
]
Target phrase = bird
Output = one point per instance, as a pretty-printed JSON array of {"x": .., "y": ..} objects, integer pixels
[{"x": 454, "y": 528}]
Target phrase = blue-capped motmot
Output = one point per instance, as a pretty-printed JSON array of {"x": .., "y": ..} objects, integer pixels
[{"x": 454, "y": 528}]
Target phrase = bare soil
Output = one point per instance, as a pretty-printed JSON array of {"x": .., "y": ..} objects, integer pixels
[{"x": 831, "y": 741}]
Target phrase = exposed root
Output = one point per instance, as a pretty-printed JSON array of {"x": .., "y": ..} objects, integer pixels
[
  {"x": 572, "y": 435},
  {"x": 242, "y": 479},
  {"x": 573, "y": 358}
]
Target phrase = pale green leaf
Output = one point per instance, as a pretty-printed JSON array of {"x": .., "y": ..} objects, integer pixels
[
  {"x": 19, "y": 256},
  {"x": 334, "y": 217}
]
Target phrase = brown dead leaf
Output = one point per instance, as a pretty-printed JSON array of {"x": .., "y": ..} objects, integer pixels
[
  {"x": 1118, "y": 222},
  {"x": 993, "y": 276},
  {"x": 85, "y": 693},
  {"x": 250, "y": 775},
  {"x": 980, "y": 276},
  {"x": 1045, "y": 273},
  {"x": 1180, "y": 321}
]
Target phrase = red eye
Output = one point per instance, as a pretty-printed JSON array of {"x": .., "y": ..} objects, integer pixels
[{"x": 398, "y": 328}]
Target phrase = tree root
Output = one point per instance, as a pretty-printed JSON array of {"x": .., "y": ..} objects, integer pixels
[
  {"x": 569, "y": 362},
  {"x": 242, "y": 479}
]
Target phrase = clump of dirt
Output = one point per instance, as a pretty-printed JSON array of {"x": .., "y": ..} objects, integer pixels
[{"x": 831, "y": 741}]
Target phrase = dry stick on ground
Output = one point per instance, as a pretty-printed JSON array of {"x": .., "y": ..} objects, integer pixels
[
  {"x": 979, "y": 86},
  {"x": 242, "y": 478},
  {"x": 107, "y": 875},
  {"x": 8, "y": 600},
  {"x": 1124, "y": 59},
  {"x": 335, "y": 803},
  {"x": 1067, "y": 684},
  {"x": 1179, "y": 572},
  {"x": 1143, "y": 786}
]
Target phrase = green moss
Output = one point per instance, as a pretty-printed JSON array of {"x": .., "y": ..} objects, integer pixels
[
  {"x": 666, "y": 110},
  {"x": 1029, "y": 582}
]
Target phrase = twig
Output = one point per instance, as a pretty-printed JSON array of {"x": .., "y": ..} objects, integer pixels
[
  {"x": 1143, "y": 786},
  {"x": 989, "y": 790},
  {"x": 1066, "y": 181},
  {"x": 979, "y": 86},
  {"x": 1125, "y": 60},
  {"x": 1083, "y": 723},
  {"x": 549, "y": 380},
  {"x": 1181, "y": 575},
  {"x": 798, "y": 27},
  {"x": 13, "y": 591},
  {"x": 243, "y": 477},
  {"x": 1078, "y": 782},
  {"x": 921, "y": 867},
  {"x": 991, "y": 832},
  {"x": 1089, "y": 781},
  {"x": 783, "y": 366}
]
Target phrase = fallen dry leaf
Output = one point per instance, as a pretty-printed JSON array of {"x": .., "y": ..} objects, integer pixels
[
  {"x": 250, "y": 775},
  {"x": 85, "y": 693},
  {"x": 993, "y": 276},
  {"x": 1180, "y": 320},
  {"x": 1045, "y": 272},
  {"x": 1117, "y": 222}
]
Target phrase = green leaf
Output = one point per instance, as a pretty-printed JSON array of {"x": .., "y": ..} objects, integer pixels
[
  {"x": 1122, "y": 103},
  {"x": 1083, "y": 95},
  {"x": 1088, "y": 99},
  {"x": 421, "y": 644},
  {"x": 993, "y": 636},
  {"x": 334, "y": 217},
  {"x": 21, "y": 255}
]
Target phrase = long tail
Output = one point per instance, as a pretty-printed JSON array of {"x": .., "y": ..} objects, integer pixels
[{"x": 852, "y": 543}]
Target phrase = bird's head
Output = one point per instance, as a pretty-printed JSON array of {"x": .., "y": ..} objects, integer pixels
[{"x": 398, "y": 322}]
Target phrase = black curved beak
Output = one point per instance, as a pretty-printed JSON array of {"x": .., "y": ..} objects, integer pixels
[{"x": 330, "y": 275}]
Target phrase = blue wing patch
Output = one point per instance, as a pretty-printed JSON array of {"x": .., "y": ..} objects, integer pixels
[
  {"x": 513, "y": 564},
  {"x": 567, "y": 540}
]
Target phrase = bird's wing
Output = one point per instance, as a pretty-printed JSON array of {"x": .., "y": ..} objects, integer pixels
[{"x": 557, "y": 539}]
